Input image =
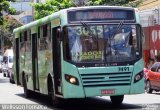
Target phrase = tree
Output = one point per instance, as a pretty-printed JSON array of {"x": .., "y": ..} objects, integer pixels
[
  {"x": 5, "y": 7},
  {"x": 50, "y": 6},
  {"x": 133, "y": 3},
  {"x": 6, "y": 32}
]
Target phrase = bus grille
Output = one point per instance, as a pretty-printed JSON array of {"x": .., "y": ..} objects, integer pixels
[{"x": 106, "y": 79}]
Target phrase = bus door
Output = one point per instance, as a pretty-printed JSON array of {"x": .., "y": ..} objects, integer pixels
[
  {"x": 56, "y": 59},
  {"x": 35, "y": 62},
  {"x": 17, "y": 59}
]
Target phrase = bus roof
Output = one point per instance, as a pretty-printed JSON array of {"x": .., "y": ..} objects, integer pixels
[{"x": 59, "y": 13}]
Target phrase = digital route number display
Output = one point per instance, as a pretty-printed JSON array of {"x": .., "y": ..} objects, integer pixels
[{"x": 100, "y": 14}]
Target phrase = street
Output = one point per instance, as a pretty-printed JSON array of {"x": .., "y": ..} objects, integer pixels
[{"x": 13, "y": 94}]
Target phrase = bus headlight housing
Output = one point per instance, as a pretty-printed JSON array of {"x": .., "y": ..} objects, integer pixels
[
  {"x": 71, "y": 79},
  {"x": 138, "y": 77}
]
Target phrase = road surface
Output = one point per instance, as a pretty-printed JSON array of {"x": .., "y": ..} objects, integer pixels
[{"x": 11, "y": 95}]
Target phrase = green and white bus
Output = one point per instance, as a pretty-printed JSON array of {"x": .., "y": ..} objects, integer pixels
[{"x": 81, "y": 52}]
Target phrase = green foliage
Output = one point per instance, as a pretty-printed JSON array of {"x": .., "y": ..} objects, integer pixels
[
  {"x": 6, "y": 30},
  {"x": 132, "y": 3},
  {"x": 1, "y": 18},
  {"x": 5, "y": 7},
  {"x": 51, "y": 6},
  {"x": 136, "y": 3}
]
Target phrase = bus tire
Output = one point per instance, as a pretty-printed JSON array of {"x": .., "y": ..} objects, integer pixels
[
  {"x": 148, "y": 87},
  {"x": 117, "y": 100},
  {"x": 11, "y": 79},
  {"x": 27, "y": 92},
  {"x": 12, "y": 76},
  {"x": 56, "y": 101}
]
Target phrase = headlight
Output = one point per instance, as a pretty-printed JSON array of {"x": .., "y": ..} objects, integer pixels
[
  {"x": 71, "y": 79},
  {"x": 138, "y": 77}
]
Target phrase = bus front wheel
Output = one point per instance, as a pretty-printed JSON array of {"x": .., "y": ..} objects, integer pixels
[
  {"x": 117, "y": 100},
  {"x": 56, "y": 101}
]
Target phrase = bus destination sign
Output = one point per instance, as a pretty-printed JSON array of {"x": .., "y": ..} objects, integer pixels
[{"x": 100, "y": 14}]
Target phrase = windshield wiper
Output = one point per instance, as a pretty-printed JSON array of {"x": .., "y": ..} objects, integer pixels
[
  {"x": 94, "y": 38},
  {"x": 108, "y": 45},
  {"x": 87, "y": 28},
  {"x": 118, "y": 28}
]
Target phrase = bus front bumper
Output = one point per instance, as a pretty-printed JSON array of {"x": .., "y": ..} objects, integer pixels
[{"x": 82, "y": 92}]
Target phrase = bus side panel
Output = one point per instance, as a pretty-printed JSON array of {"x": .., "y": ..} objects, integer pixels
[
  {"x": 70, "y": 90},
  {"x": 28, "y": 70},
  {"x": 21, "y": 61},
  {"x": 137, "y": 87},
  {"x": 44, "y": 62}
]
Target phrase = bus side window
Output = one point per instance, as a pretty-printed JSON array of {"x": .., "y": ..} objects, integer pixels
[
  {"x": 22, "y": 42},
  {"x": 28, "y": 42},
  {"x": 44, "y": 30},
  {"x": 44, "y": 35},
  {"x": 25, "y": 40},
  {"x": 25, "y": 35}
]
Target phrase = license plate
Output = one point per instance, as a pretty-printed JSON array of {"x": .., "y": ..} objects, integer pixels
[{"x": 108, "y": 91}]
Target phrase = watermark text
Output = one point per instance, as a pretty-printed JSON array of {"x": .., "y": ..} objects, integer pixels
[{"x": 23, "y": 107}]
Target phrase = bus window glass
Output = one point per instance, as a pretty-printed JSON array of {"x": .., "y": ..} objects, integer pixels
[
  {"x": 28, "y": 42},
  {"x": 85, "y": 43},
  {"x": 22, "y": 42},
  {"x": 45, "y": 36},
  {"x": 99, "y": 43},
  {"x": 45, "y": 30},
  {"x": 120, "y": 41}
]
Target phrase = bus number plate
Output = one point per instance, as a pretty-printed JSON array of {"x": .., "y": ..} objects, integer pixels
[
  {"x": 108, "y": 91},
  {"x": 123, "y": 69}
]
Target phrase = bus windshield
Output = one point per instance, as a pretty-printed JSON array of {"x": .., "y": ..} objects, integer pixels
[{"x": 103, "y": 43}]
